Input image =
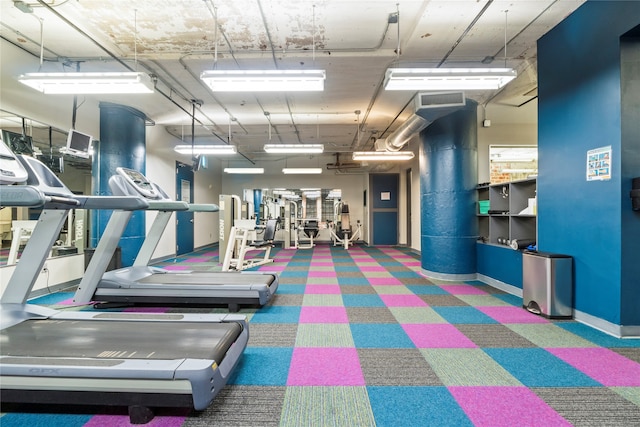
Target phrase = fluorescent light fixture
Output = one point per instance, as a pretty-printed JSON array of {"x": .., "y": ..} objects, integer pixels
[
  {"x": 382, "y": 155},
  {"x": 244, "y": 170},
  {"x": 293, "y": 148},
  {"x": 206, "y": 149},
  {"x": 447, "y": 78},
  {"x": 264, "y": 80},
  {"x": 335, "y": 194},
  {"x": 88, "y": 83},
  {"x": 301, "y": 170}
]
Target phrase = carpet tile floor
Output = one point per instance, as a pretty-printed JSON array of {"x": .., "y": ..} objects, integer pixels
[{"x": 362, "y": 338}]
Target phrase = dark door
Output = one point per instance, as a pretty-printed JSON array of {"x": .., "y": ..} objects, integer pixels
[
  {"x": 384, "y": 208},
  {"x": 184, "y": 219}
]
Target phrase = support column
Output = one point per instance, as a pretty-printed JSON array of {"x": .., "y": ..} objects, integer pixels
[
  {"x": 122, "y": 143},
  {"x": 448, "y": 177}
]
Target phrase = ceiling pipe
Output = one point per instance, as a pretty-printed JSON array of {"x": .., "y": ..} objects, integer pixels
[
  {"x": 429, "y": 108},
  {"x": 401, "y": 136}
]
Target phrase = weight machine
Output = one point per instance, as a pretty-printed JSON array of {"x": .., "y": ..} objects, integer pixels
[
  {"x": 242, "y": 240},
  {"x": 340, "y": 228}
]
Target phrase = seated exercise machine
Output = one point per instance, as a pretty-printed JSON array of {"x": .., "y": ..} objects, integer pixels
[
  {"x": 310, "y": 229},
  {"x": 138, "y": 360},
  {"x": 341, "y": 231},
  {"x": 241, "y": 242},
  {"x": 142, "y": 283}
]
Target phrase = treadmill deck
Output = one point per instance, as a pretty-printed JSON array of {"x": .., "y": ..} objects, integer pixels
[
  {"x": 119, "y": 339},
  {"x": 207, "y": 278}
]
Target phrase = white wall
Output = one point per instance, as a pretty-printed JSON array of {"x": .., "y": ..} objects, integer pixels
[{"x": 161, "y": 169}]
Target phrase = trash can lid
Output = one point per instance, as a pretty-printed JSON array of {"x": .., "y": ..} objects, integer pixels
[{"x": 546, "y": 254}]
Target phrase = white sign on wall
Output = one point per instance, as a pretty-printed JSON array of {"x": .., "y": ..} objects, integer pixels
[{"x": 599, "y": 164}]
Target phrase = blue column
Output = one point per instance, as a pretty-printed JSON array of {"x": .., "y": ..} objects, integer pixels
[
  {"x": 122, "y": 143},
  {"x": 448, "y": 177},
  {"x": 257, "y": 201}
]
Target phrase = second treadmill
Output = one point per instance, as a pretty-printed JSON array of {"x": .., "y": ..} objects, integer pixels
[{"x": 144, "y": 284}]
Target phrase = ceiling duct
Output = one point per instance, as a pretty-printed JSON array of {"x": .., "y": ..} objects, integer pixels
[
  {"x": 430, "y": 106},
  {"x": 343, "y": 165}
]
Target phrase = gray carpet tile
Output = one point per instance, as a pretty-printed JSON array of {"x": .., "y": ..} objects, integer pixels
[
  {"x": 396, "y": 367},
  {"x": 355, "y": 289},
  {"x": 272, "y": 334},
  {"x": 287, "y": 299},
  {"x": 350, "y": 274},
  {"x": 241, "y": 406},
  {"x": 297, "y": 268},
  {"x": 591, "y": 406},
  {"x": 490, "y": 289},
  {"x": 370, "y": 315},
  {"x": 284, "y": 280},
  {"x": 416, "y": 281},
  {"x": 443, "y": 300},
  {"x": 395, "y": 268},
  {"x": 494, "y": 336},
  {"x": 632, "y": 353}
]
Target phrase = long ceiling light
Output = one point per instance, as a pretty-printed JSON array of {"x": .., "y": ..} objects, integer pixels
[
  {"x": 264, "y": 80},
  {"x": 447, "y": 78},
  {"x": 244, "y": 170},
  {"x": 293, "y": 148},
  {"x": 382, "y": 155},
  {"x": 205, "y": 149},
  {"x": 302, "y": 170},
  {"x": 88, "y": 83}
]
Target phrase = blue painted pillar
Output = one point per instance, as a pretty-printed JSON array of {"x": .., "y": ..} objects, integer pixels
[
  {"x": 257, "y": 201},
  {"x": 448, "y": 177},
  {"x": 122, "y": 143}
]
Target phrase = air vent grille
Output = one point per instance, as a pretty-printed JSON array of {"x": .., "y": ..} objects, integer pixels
[{"x": 440, "y": 99}]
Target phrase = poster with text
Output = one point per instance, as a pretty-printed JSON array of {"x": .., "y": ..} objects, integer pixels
[{"x": 599, "y": 164}]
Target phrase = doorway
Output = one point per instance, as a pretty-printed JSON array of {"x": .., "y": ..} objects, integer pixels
[{"x": 184, "y": 219}]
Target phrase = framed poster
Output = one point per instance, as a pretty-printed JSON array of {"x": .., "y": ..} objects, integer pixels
[{"x": 599, "y": 164}]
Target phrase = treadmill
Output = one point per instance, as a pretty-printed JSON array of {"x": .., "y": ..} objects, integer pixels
[
  {"x": 138, "y": 360},
  {"x": 143, "y": 284}
]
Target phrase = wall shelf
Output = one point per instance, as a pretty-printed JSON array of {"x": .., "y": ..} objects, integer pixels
[{"x": 511, "y": 215}]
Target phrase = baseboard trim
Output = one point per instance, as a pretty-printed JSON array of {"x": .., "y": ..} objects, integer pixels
[{"x": 446, "y": 276}]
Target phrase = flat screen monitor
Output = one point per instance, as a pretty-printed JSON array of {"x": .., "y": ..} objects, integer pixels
[{"x": 78, "y": 144}]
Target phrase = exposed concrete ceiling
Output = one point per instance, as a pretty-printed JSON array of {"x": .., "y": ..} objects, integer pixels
[{"x": 354, "y": 41}]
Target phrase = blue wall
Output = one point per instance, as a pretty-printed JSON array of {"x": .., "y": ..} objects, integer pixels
[{"x": 579, "y": 109}]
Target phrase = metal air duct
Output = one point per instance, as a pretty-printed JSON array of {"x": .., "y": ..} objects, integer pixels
[{"x": 430, "y": 106}]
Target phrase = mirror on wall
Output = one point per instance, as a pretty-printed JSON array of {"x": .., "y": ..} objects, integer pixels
[
  {"x": 512, "y": 162},
  {"x": 27, "y": 136},
  {"x": 305, "y": 203}
]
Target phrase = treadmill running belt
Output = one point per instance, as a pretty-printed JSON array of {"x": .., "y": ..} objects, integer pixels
[
  {"x": 209, "y": 279},
  {"x": 119, "y": 339}
]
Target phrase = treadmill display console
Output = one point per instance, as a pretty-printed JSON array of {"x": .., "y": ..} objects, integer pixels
[
  {"x": 139, "y": 182},
  {"x": 11, "y": 171}
]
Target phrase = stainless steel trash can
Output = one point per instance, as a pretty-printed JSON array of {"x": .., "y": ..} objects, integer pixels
[{"x": 547, "y": 284}]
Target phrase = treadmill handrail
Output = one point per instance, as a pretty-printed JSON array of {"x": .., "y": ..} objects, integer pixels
[
  {"x": 203, "y": 207},
  {"x": 167, "y": 205},
  {"x": 21, "y": 195},
  {"x": 126, "y": 203}
]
